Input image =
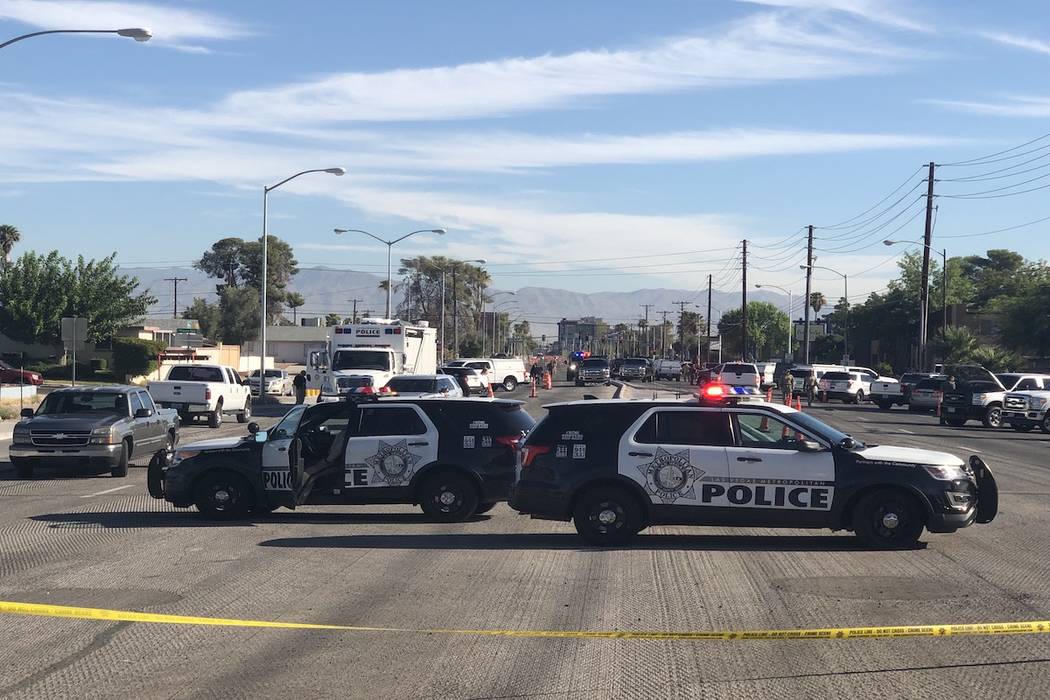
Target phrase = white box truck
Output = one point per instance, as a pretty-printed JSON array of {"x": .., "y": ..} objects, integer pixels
[{"x": 368, "y": 354}]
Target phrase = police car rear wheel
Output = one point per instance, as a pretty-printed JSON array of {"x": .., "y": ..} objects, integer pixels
[
  {"x": 607, "y": 515},
  {"x": 448, "y": 497},
  {"x": 888, "y": 519},
  {"x": 223, "y": 494}
]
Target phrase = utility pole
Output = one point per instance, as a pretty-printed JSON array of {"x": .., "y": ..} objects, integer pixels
[
  {"x": 647, "y": 307},
  {"x": 708, "y": 331},
  {"x": 663, "y": 333},
  {"x": 681, "y": 324},
  {"x": 809, "y": 281},
  {"x": 743, "y": 307},
  {"x": 455, "y": 315},
  {"x": 354, "y": 302},
  {"x": 175, "y": 306},
  {"x": 924, "y": 288}
]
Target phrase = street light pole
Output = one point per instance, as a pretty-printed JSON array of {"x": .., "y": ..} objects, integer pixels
[
  {"x": 790, "y": 322},
  {"x": 389, "y": 250},
  {"x": 845, "y": 291},
  {"x": 137, "y": 33},
  {"x": 265, "y": 242}
]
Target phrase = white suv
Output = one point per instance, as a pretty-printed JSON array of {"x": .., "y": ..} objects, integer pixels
[{"x": 737, "y": 374}]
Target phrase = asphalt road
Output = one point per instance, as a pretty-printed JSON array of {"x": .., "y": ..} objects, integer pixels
[{"x": 75, "y": 541}]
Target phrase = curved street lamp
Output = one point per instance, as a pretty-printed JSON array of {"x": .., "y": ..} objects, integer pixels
[
  {"x": 845, "y": 296},
  {"x": 137, "y": 33},
  {"x": 389, "y": 248},
  {"x": 265, "y": 237}
]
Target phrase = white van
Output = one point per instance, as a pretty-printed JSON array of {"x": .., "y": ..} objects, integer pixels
[{"x": 506, "y": 372}]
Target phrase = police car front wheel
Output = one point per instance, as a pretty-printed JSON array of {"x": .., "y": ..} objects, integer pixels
[
  {"x": 607, "y": 515},
  {"x": 888, "y": 519},
  {"x": 448, "y": 497},
  {"x": 223, "y": 494}
]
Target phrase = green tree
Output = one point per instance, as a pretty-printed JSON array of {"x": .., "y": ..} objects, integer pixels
[
  {"x": 207, "y": 316},
  {"x": 956, "y": 345},
  {"x": 134, "y": 357},
  {"x": 333, "y": 319},
  {"x": 294, "y": 300},
  {"x": 1024, "y": 320},
  {"x": 36, "y": 291},
  {"x": 818, "y": 301},
  {"x": 996, "y": 359},
  {"x": 767, "y": 330},
  {"x": 239, "y": 263},
  {"x": 421, "y": 287},
  {"x": 9, "y": 235},
  {"x": 238, "y": 315},
  {"x": 224, "y": 260}
]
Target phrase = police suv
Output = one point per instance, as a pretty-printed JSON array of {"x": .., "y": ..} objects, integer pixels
[
  {"x": 615, "y": 467},
  {"x": 455, "y": 457}
]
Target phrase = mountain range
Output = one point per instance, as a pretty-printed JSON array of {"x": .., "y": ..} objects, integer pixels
[{"x": 327, "y": 290}]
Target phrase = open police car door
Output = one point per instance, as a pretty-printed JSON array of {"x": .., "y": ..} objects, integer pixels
[
  {"x": 281, "y": 459},
  {"x": 392, "y": 443}
]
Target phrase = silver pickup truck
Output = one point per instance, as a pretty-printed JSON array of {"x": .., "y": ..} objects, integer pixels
[{"x": 102, "y": 428}]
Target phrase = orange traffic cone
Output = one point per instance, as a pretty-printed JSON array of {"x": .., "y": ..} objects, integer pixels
[
  {"x": 798, "y": 403},
  {"x": 769, "y": 395},
  {"x": 532, "y": 392},
  {"x": 492, "y": 394},
  {"x": 547, "y": 380}
]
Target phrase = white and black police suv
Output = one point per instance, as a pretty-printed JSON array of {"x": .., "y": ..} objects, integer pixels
[
  {"x": 455, "y": 457},
  {"x": 615, "y": 467}
]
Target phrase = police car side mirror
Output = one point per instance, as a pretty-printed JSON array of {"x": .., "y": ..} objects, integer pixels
[
  {"x": 847, "y": 443},
  {"x": 260, "y": 436},
  {"x": 253, "y": 428}
]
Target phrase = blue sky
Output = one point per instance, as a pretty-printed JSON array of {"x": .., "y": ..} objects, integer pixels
[{"x": 659, "y": 134}]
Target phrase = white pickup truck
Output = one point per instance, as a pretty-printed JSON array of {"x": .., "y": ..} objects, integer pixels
[{"x": 204, "y": 390}]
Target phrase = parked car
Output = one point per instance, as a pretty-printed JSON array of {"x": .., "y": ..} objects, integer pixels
[
  {"x": 637, "y": 368},
  {"x": 766, "y": 375},
  {"x": 13, "y": 375},
  {"x": 927, "y": 394},
  {"x": 469, "y": 379},
  {"x": 668, "y": 369},
  {"x": 425, "y": 386},
  {"x": 848, "y": 387},
  {"x": 102, "y": 428},
  {"x": 506, "y": 372},
  {"x": 204, "y": 390},
  {"x": 737, "y": 374},
  {"x": 277, "y": 382},
  {"x": 886, "y": 393}
]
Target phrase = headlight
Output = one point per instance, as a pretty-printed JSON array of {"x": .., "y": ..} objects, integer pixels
[
  {"x": 947, "y": 473},
  {"x": 978, "y": 399},
  {"x": 1036, "y": 402},
  {"x": 103, "y": 436},
  {"x": 183, "y": 454},
  {"x": 20, "y": 436}
]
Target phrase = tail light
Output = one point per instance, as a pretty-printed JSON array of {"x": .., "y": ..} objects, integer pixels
[
  {"x": 531, "y": 452},
  {"x": 510, "y": 441},
  {"x": 207, "y": 393}
]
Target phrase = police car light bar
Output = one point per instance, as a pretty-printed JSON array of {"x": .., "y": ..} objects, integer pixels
[{"x": 727, "y": 393}]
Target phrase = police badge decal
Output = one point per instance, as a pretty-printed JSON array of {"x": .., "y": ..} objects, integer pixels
[
  {"x": 670, "y": 476},
  {"x": 392, "y": 464}
]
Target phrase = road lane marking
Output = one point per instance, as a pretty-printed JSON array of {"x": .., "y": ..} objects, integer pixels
[
  {"x": 971, "y": 449},
  {"x": 902, "y": 430},
  {"x": 973, "y": 629},
  {"x": 863, "y": 419},
  {"x": 103, "y": 493}
]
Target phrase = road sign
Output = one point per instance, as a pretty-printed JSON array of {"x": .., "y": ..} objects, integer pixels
[{"x": 74, "y": 333}]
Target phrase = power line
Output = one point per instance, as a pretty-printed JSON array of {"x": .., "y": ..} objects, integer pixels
[
  {"x": 876, "y": 205},
  {"x": 984, "y": 160}
]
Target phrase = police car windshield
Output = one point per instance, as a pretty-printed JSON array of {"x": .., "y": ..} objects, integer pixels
[
  {"x": 361, "y": 359},
  {"x": 823, "y": 429}
]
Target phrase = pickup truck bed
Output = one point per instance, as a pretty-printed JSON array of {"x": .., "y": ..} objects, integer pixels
[{"x": 204, "y": 390}]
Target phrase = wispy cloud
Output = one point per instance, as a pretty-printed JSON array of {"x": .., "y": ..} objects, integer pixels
[
  {"x": 1017, "y": 41},
  {"x": 878, "y": 11},
  {"x": 1008, "y": 106},
  {"x": 172, "y": 26}
]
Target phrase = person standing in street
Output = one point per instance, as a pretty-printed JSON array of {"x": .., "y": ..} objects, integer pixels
[
  {"x": 810, "y": 387},
  {"x": 299, "y": 384},
  {"x": 789, "y": 386}
]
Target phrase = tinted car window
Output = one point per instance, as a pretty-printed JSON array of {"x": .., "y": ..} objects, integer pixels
[
  {"x": 391, "y": 421},
  {"x": 911, "y": 378},
  {"x": 85, "y": 402},
  {"x": 930, "y": 384},
  {"x": 1008, "y": 380},
  {"x": 136, "y": 402},
  {"x": 837, "y": 375},
  {"x": 766, "y": 432},
  {"x": 688, "y": 428},
  {"x": 413, "y": 385},
  {"x": 185, "y": 373},
  {"x": 147, "y": 401},
  {"x": 1025, "y": 384},
  {"x": 739, "y": 368}
]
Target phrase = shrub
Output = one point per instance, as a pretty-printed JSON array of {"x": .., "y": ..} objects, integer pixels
[{"x": 133, "y": 357}]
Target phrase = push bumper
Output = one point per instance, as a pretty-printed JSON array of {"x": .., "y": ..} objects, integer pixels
[
  {"x": 95, "y": 453},
  {"x": 967, "y": 412},
  {"x": 981, "y": 503},
  {"x": 1030, "y": 419}
]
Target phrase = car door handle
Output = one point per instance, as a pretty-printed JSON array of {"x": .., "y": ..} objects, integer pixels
[
  {"x": 282, "y": 449},
  {"x": 748, "y": 459},
  {"x": 418, "y": 444},
  {"x": 639, "y": 454}
]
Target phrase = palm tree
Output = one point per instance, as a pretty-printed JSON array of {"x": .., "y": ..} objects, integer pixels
[
  {"x": 958, "y": 344},
  {"x": 9, "y": 235},
  {"x": 818, "y": 301},
  {"x": 293, "y": 301}
]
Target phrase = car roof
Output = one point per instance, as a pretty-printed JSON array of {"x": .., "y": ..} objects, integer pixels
[
  {"x": 108, "y": 389},
  {"x": 462, "y": 399},
  {"x": 418, "y": 376},
  {"x": 677, "y": 403}
]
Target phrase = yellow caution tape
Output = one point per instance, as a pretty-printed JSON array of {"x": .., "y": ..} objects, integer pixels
[{"x": 991, "y": 628}]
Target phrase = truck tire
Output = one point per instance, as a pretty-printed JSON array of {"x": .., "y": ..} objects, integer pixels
[
  {"x": 244, "y": 415},
  {"x": 955, "y": 422},
  {"x": 1044, "y": 425},
  {"x": 858, "y": 398},
  {"x": 510, "y": 384},
  {"x": 448, "y": 496},
  {"x": 888, "y": 519},
  {"x": 885, "y": 405},
  {"x": 993, "y": 417},
  {"x": 120, "y": 469},
  {"x": 215, "y": 417},
  {"x": 606, "y": 516}
]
